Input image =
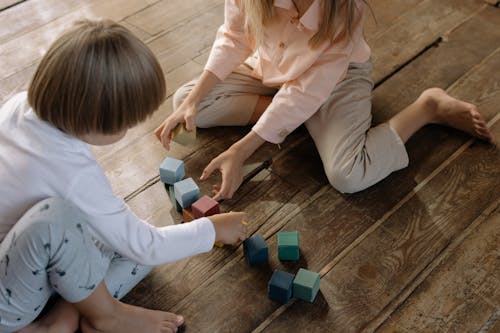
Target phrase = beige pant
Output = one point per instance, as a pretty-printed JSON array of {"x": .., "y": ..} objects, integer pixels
[{"x": 354, "y": 154}]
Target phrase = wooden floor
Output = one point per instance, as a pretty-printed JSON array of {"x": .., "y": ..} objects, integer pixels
[{"x": 418, "y": 252}]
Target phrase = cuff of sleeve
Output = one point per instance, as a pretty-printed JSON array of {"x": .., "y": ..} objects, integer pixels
[
  {"x": 216, "y": 69},
  {"x": 269, "y": 135},
  {"x": 206, "y": 229}
]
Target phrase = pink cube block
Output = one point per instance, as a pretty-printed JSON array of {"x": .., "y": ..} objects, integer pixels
[{"x": 205, "y": 206}]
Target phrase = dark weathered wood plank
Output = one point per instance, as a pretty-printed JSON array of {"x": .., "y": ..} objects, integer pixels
[
  {"x": 365, "y": 278},
  {"x": 463, "y": 292},
  {"x": 363, "y": 282}
]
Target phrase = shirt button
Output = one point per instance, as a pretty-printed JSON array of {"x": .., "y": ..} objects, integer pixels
[{"x": 282, "y": 45}]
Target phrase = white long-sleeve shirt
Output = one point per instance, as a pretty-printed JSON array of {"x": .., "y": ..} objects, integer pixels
[{"x": 38, "y": 161}]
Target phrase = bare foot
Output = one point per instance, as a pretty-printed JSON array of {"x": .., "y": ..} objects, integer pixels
[
  {"x": 452, "y": 112},
  {"x": 62, "y": 318},
  {"x": 128, "y": 318}
]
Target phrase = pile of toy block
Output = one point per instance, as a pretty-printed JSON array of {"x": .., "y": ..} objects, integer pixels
[
  {"x": 283, "y": 285},
  {"x": 184, "y": 193}
]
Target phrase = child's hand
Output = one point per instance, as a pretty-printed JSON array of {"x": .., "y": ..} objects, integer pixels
[
  {"x": 230, "y": 227},
  {"x": 185, "y": 113},
  {"x": 230, "y": 165}
]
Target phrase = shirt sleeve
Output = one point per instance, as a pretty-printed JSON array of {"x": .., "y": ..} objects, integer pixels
[
  {"x": 232, "y": 44},
  {"x": 111, "y": 220},
  {"x": 297, "y": 100}
]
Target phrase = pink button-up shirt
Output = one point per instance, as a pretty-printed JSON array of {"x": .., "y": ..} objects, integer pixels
[{"x": 306, "y": 76}]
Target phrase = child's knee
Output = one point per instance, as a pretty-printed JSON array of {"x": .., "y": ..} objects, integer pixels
[{"x": 345, "y": 180}]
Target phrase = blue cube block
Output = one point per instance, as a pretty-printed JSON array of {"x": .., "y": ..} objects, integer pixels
[
  {"x": 171, "y": 170},
  {"x": 280, "y": 286},
  {"x": 288, "y": 245},
  {"x": 306, "y": 285},
  {"x": 186, "y": 192},
  {"x": 255, "y": 250}
]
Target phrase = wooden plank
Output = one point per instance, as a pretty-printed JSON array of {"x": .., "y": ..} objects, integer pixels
[
  {"x": 462, "y": 293},
  {"x": 30, "y": 15},
  {"x": 372, "y": 271},
  {"x": 165, "y": 15},
  {"x": 5, "y": 4},
  {"x": 416, "y": 30},
  {"x": 19, "y": 53}
]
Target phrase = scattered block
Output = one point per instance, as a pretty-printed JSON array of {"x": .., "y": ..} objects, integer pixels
[
  {"x": 171, "y": 170},
  {"x": 306, "y": 285},
  {"x": 255, "y": 250},
  {"x": 205, "y": 206},
  {"x": 219, "y": 244},
  {"x": 181, "y": 135},
  {"x": 171, "y": 195},
  {"x": 280, "y": 286},
  {"x": 186, "y": 192},
  {"x": 187, "y": 215},
  {"x": 288, "y": 245}
]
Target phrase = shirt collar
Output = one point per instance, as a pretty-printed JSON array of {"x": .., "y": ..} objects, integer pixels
[{"x": 310, "y": 19}]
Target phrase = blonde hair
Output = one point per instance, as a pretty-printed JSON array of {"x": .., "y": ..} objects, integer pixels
[
  {"x": 259, "y": 12},
  {"x": 97, "y": 78}
]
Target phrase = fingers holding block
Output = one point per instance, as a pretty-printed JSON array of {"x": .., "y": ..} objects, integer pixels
[{"x": 182, "y": 136}]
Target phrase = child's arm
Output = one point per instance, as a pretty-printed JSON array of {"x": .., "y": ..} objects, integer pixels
[{"x": 111, "y": 221}]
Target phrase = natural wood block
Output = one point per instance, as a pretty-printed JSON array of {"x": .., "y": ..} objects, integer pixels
[
  {"x": 187, "y": 215},
  {"x": 182, "y": 136}
]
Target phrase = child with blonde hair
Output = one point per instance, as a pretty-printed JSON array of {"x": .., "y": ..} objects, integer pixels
[
  {"x": 276, "y": 64},
  {"x": 62, "y": 230}
]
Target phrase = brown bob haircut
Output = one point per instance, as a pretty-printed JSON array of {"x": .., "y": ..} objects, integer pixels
[{"x": 97, "y": 78}]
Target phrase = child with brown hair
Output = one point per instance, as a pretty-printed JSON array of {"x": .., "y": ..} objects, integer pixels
[
  {"x": 277, "y": 64},
  {"x": 62, "y": 230}
]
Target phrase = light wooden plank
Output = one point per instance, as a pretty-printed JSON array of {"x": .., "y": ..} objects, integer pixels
[
  {"x": 18, "y": 53},
  {"x": 30, "y": 15},
  {"x": 4, "y": 4},
  {"x": 165, "y": 15}
]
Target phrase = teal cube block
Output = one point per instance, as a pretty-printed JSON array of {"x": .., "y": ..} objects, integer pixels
[
  {"x": 288, "y": 245},
  {"x": 306, "y": 285},
  {"x": 171, "y": 170},
  {"x": 171, "y": 195},
  {"x": 186, "y": 192}
]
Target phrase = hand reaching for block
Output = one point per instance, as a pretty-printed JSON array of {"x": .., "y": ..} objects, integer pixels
[{"x": 230, "y": 227}]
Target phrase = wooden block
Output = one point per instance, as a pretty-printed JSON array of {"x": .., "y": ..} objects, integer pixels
[
  {"x": 288, "y": 245},
  {"x": 171, "y": 170},
  {"x": 205, "y": 206},
  {"x": 171, "y": 195},
  {"x": 280, "y": 286},
  {"x": 186, "y": 192},
  {"x": 306, "y": 285},
  {"x": 182, "y": 136},
  {"x": 219, "y": 244},
  {"x": 187, "y": 215},
  {"x": 255, "y": 250}
]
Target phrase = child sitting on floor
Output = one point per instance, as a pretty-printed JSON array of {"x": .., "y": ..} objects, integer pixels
[{"x": 62, "y": 230}]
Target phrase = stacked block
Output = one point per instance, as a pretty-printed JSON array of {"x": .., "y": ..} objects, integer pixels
[
  {"x": 255, "y": 250},
  {"x": 171, "y": 195},
  {"x": 306, "y": 285},
  {"x": 186, "y": 192},
  {"x": 171, "y": 170},
  {"x": 181, "y": 135},
  {"x": 205, "y": 206},
  {"x": 288, "y": 245},
  {"x": 280, "y": 286},
  {"x": 187, "y": 215}
]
